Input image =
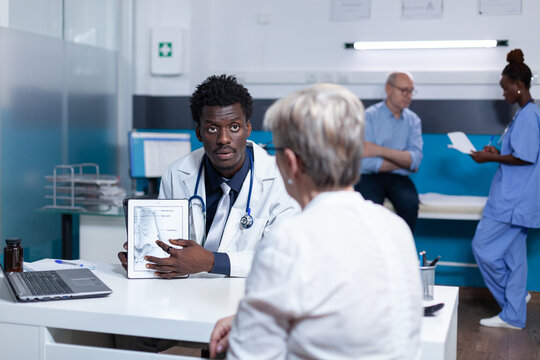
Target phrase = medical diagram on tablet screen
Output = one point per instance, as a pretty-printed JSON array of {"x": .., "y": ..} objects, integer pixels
[{"x": 149, "y": 220}]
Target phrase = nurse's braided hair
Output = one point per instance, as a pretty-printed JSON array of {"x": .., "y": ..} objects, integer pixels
[{"x": 517, "y": 69}]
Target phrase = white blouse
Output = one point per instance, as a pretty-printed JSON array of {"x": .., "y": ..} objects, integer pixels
[{"x": 338, "y": 281}]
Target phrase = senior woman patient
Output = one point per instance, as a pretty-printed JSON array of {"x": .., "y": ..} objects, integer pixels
[{"x": 339, "y": 280}]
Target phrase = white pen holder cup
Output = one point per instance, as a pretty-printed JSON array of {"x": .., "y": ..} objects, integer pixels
[{"x": 428, "y": 281}]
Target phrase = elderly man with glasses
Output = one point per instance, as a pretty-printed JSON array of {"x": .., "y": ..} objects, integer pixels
[{"x": 393, "y": 149}]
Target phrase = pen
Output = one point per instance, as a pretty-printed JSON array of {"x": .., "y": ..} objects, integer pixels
[
  {"x": 435, "y": 261},
  {"x": 67, "y": 263},
  {"x": 490, "y": 140},
  {"x": 423, "y": 255}
]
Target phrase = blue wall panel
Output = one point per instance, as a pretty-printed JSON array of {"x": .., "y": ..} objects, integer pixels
[
  {"x": 451, "y": 172},
  {"x": 448, "y": 171}
]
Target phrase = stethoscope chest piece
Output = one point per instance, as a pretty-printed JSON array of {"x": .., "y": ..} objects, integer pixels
[{"x": 246, "y": 221}]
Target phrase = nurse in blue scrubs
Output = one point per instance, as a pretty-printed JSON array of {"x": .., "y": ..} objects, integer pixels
[{"x": 513, "y": 205}]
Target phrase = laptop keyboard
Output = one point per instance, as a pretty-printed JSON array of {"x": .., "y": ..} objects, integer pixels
[{"x": 44, "y": 282}]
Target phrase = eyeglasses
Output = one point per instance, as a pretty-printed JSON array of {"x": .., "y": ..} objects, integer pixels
[
  {"x": 405, "y": 91},
  {"x": 271, "y": 149}
]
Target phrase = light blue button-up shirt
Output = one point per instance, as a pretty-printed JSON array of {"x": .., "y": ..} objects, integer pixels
[
  {"x": 382, "y": 128},
  {"x": 514, "y": 196}
]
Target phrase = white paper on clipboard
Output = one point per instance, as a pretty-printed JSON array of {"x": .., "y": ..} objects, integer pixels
[
  {"x": 149, "y": 220},
  {"x": 460, "y": 142}
]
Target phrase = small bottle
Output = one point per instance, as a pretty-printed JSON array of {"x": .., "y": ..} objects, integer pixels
[{"x": 13, "y": 255}]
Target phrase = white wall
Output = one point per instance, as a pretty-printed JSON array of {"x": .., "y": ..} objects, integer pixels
[
  {"x": 147, "y": 15},
  {"x": 301, "y": 41}
]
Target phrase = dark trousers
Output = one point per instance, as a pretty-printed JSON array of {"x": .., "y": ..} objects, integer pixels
[{"x": 399, "y": 189}]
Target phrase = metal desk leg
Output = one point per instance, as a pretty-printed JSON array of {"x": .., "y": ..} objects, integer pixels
[{"x": 67, "y": 236}]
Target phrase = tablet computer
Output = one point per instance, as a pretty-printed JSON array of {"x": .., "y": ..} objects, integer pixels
[{"x": 149, "y": 220}]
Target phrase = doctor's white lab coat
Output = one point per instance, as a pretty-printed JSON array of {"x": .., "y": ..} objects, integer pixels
[{"x": 269, "y": 204}]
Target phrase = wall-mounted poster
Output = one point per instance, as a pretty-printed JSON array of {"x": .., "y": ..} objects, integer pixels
[
  {"x": 499, "y": 7},
  {"x": 421, "y": 9},
  {"x": 350, "y": 10}
]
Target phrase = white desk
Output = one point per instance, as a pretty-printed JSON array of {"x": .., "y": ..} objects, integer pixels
[
  {"x": 183, "y": 309},
  {"x": 439, "y": 332}
]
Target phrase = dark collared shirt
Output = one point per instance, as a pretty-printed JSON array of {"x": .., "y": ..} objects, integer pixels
[{"x": 213, "y": 181}]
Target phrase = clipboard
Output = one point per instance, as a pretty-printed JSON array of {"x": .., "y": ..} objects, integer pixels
[{"x": 149, "y": 220}]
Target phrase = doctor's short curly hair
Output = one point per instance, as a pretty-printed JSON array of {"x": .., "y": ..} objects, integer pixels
[
  {"x": 220, "y": 90},
  {"x": 324, "y": 126}
]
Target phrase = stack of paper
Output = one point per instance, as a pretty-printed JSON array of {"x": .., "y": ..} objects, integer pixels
[
  {"x": 55, "y": 264},
  {"x": 460, "y": 142},
  {"x": 82, "y": 187}
]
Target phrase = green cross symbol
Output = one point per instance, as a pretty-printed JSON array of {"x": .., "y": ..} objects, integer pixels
[{"x": 165, "y": 49}]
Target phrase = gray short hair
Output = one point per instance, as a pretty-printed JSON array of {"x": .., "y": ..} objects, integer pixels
[
  {"x": 391, "y": 79},
  {"x": 324, "y": 126}
]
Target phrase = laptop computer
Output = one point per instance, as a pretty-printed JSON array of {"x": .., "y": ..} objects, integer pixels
[{"x": 55, "y": 285}]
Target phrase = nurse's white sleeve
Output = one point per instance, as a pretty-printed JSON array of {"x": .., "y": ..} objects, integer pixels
[{"x": 265, "y": 314}]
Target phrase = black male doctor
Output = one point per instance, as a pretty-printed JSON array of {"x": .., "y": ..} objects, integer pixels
[{"x": 257, "y": 199}]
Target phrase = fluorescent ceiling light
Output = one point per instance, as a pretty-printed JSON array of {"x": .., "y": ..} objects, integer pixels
[{"x": 436, "y": 44}]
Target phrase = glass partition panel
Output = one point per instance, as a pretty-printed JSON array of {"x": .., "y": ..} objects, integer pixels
[
  {"x": 91, "y": 105},
  {"x": 91, "y": 22},
  {"x": 42, "y": 17},
  {"x": 57, "y": 105},
  {"x": 31, "y": 82}
]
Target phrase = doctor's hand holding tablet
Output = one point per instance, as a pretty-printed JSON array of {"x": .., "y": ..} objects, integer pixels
[
  {"x": 191, "y": 258},
  {"x": 171, "y": 255},
  {"x": 185, "y": 257}
]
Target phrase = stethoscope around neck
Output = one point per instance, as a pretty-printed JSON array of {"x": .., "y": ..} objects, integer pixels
[
  {"x": 499, "y": 142},
  {"x": 246, "y": 221}
]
